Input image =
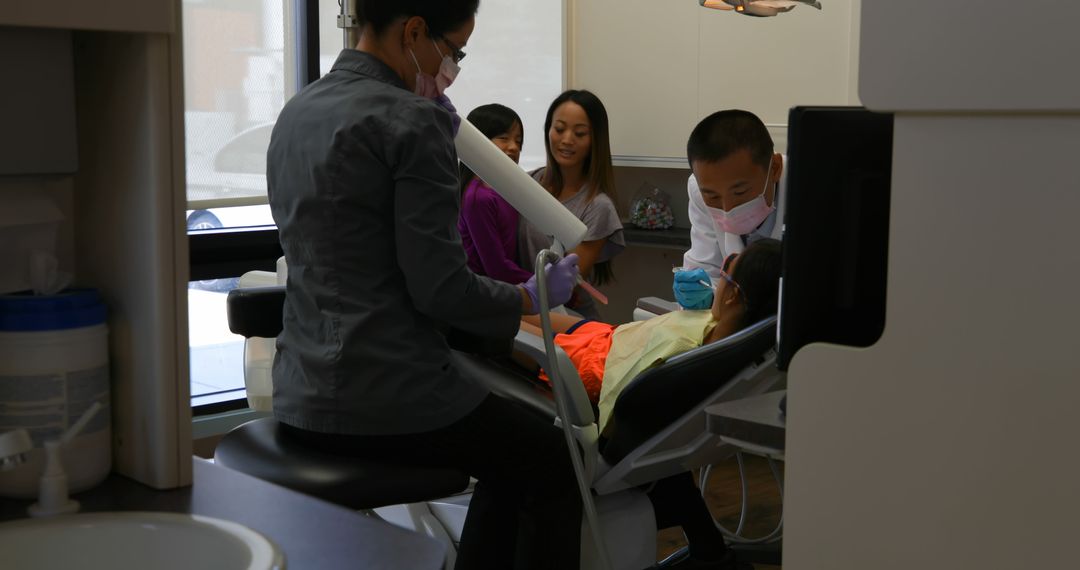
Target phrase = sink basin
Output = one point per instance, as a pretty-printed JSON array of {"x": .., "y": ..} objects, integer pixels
[{"x": 121, "y": 540}]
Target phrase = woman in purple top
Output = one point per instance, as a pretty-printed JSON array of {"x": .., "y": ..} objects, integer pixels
[{"x": 489, "y": 224}]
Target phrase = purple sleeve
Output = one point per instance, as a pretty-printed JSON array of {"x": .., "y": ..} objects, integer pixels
[{"x": 481, "y": 213}]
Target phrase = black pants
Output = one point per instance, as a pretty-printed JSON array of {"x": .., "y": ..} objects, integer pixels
[
  {"x": 677, "y": 502},
  {"x": 526, "y": 509}
]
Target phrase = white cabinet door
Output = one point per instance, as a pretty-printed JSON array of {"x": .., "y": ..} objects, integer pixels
[
  {"x": 640, "y": 57},
  {"x": 115, "y": 15},
  {"x": 768, "y": 65},
  {"x": 662, "y": 65}
]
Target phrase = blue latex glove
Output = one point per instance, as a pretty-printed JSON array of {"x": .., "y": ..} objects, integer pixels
[
  {"x": 561, "y": 279},
  {"x": 689, "y": 291},
  {"x": 444, "y": 101}
]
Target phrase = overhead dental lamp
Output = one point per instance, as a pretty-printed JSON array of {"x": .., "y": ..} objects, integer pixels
[{"x": 759, "y": 8}]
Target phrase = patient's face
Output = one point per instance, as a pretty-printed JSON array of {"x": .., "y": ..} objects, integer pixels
[
  {"x": 725, "y": 289},
  {"x": 735, "y": 180}
]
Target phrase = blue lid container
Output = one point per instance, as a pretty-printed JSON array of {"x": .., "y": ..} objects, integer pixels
[{"x": 69, "y": 309}]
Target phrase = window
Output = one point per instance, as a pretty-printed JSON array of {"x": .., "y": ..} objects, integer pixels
[
  {"x": 516, "y": 59},
  {"x": 243, "y": 59},
  {"x": 240, "y": 66}
]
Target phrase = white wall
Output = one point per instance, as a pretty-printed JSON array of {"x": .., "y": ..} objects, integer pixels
[{"x": 660, "y": 67}]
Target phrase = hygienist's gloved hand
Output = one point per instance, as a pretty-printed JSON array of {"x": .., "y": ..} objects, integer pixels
[
  {"x": 444, "y": 101},
  {"x": 561, "y": 279},
  {"x": 689, "y": 290}
]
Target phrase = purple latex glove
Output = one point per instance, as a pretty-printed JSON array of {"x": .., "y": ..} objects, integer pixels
[
  {"x": 561, "y": 279},
  {"x": 444, "y": 101}
]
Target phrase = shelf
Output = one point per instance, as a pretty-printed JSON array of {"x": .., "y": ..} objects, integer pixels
[
  {"x": 674, "y": 238},
  {"x": 650, "y": 161}
]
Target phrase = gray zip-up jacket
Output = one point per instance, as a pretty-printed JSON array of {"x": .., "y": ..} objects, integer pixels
[{"x": 363, "y": 183}]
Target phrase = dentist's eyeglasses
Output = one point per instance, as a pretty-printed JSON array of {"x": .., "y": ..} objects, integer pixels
[{"x": 455, "y": 52}]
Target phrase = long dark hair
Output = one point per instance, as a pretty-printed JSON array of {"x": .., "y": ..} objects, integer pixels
[
  {"x": 758, "y": 274},
  {"x": 492, "y": 120},
  {"x": 599, "y": 174}
]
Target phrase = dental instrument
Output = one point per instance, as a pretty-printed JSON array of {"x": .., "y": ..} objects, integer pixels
[
  {"x": 596, "y": 294},
  {"x": 676, "y": 269}
]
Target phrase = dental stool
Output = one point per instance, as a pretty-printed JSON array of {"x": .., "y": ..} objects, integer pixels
[{"x": 262, "y": 449}]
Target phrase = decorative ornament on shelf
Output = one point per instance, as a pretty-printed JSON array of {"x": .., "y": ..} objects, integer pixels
[
  {"x": 651, "y": 208},
  {"x": 759, "y": 8}
]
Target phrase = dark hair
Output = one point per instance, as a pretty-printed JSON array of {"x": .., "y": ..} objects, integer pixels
[
  {"x": 724, "y": 133},
  {"x": 493, "y": 120},
  {"x": 599, "y": 174},
  {"x": 757, "y": 272},
  {"x": 442, "y": 16},
  {"x": 598, "y": 171}
]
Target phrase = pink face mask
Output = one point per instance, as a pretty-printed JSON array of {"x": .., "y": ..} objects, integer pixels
[
  {"x": 744, "y": 218},
  {"x": 432, "y": 87}
]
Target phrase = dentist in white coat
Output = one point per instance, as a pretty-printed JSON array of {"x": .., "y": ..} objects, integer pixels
[{"x": 735, "y": 191}]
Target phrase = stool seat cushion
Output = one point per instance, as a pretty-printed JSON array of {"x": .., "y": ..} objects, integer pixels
[{"x": 263, "y": 450}]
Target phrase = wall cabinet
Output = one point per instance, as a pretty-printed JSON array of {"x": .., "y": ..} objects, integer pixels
[
  {"x": 126, "y": 225},
  {"x": 661, "y": 66},
  {"x": 37, "y": 104},
  {"x": 158, "y": 16}
]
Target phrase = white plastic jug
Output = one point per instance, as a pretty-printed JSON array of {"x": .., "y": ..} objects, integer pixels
[{"x": 259, "y": 352}]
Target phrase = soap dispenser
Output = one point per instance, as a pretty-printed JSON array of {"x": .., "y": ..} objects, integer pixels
[{"x": 53, "y": 495}]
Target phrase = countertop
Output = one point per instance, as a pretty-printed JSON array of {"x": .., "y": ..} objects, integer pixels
[
  {"x": 675, "y": 238},
  {"x": 312, "y": 533}
]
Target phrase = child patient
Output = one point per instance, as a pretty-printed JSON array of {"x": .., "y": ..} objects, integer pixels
[{"x": 608, "y": 357}]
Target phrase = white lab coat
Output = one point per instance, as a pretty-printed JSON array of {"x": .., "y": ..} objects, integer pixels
[{"x": 709, "y": 246}]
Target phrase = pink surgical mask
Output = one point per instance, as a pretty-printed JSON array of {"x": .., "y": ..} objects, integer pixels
[
  {"x": 432, "y": 87},
  {"x": 744, "y": 218}
]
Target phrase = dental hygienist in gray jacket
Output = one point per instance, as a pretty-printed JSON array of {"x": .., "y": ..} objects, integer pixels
[{"x": 363, "y": 178}]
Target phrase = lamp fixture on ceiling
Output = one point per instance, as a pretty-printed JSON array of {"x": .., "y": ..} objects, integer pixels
[{"x": 758, "y": 7}]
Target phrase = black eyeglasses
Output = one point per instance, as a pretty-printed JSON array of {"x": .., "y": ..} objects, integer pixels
[{"x": 455, "y": 52}]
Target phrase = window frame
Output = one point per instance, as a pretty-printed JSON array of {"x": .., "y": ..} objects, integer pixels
[{"x": 231, "y": 252}]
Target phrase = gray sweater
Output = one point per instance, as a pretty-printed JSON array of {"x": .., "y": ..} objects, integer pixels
[{"x": 363, "y": 184}]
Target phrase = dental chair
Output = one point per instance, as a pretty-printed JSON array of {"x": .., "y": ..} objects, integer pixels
[
  {"x": 657, "y": 430},
  {"x": 763, "y": 549}
]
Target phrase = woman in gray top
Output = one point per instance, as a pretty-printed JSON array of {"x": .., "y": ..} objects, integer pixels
[
  {"x": 579, "y": 174},
  {"x": 363, "y": 185}
]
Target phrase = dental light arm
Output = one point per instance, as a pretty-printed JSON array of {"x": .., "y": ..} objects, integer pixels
[{"x": 518, "y": 188}]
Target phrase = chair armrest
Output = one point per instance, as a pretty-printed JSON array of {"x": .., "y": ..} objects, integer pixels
[
  {"x": 579, "y": 409},
  {"x": 648, "y": 307},
  {"x": 256, "y": 311}
]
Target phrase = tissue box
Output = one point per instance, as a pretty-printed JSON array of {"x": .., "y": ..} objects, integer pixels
[{"x": 27, "y": 225}]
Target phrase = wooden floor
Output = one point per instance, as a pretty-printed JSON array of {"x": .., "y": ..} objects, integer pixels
[{"x": 724, "y": 499}]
